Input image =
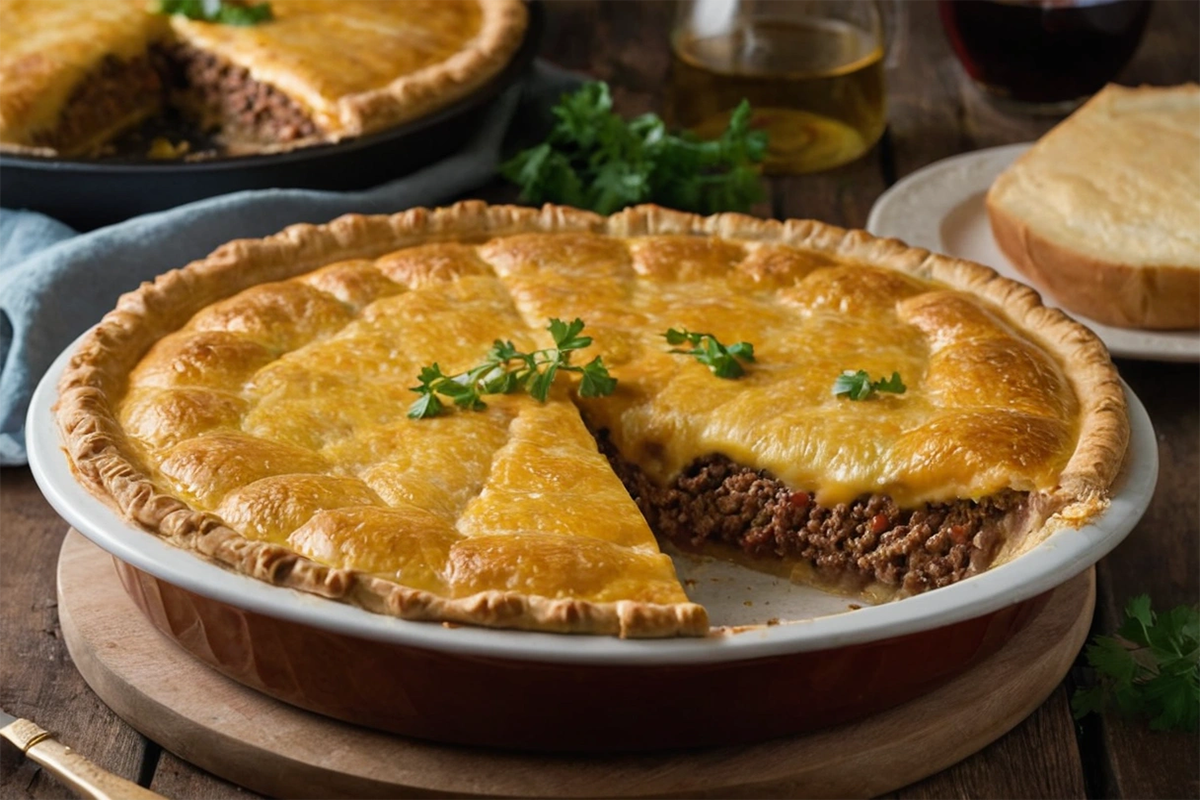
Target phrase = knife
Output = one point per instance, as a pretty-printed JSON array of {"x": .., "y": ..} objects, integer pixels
[{"x": 82, "y": 776}]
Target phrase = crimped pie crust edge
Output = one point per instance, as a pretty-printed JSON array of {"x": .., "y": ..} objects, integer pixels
[{"x": 411, "y": 96}]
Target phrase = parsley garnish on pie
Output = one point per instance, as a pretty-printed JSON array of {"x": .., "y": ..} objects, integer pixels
[
  {"x": 859, "y": 386},
  {"x": 225, "y": 12},
  {"x": 723, "y": 360},
  {"x": 1150, "y": 667},
  {"x": 506, "y": 370}
]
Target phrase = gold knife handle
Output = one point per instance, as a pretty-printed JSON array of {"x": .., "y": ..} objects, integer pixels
[{"x": 82, "y": 776}]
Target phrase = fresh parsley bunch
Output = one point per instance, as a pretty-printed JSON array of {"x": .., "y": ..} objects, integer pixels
[
  {"x": 506, "y": 370},
  {"x": 1150, "y": 667},
  {"x": 225, "y": 12},
  {"x": 594, "y": 159}
]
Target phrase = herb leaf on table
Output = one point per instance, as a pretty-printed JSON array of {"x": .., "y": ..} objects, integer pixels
[
  {"x": 1150, "y": 668},
  {"x": 595, "y": 159}
]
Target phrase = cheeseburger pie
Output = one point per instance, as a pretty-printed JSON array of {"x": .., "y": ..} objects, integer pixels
[
  {"x": 253, "y": 408},
  {"x": 73, "y": 75}
]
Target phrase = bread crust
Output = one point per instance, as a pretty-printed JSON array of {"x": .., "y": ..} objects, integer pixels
[
  {"x": 1109, "y": 290},
  {"x": 104, "y": 460},
  {"x": 1163, "y": 297}
]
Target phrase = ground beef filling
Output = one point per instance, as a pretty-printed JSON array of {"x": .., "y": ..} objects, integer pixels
[
  {"x": 222, "y": 96},
  {"x": 110, "y": 94},
  {"x": 227, "y": 97},
  {"x": 850, "y": 545}
]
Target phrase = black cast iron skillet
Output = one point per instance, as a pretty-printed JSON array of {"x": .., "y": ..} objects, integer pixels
[{"x": 88, "y": 194}]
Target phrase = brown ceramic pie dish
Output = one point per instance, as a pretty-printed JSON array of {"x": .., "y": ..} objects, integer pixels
[{"x": 522, "y": 704}]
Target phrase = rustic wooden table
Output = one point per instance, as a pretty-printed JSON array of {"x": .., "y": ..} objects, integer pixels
[{"x": 933, "y": 113}]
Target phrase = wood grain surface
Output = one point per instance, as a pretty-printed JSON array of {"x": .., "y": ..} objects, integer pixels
[
  {"x": 285, "y": 751},
  {"x": 933, "y": 113}
]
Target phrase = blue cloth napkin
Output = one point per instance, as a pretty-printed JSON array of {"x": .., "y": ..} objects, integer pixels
[{"x": 55, "y": 284}]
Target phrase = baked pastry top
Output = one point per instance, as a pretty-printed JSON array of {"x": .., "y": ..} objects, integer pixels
[
  {"x": 49, "y": 47},
  {"x": 253, "y": 406},
  {"x": 337, "y": 67},
  {"x": 362, "y": 65}
]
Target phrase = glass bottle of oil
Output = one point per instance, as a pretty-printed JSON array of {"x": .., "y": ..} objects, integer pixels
[{"x": 812, "y": 71}]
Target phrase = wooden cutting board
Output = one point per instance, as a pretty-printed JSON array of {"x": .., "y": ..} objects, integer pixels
[{"x": 276, "y": 749}]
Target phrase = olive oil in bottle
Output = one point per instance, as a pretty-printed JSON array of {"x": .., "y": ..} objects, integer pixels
[{"x": 816, "y": 87}]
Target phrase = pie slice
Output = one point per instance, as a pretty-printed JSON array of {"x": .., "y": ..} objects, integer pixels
[
  {"x": 553, "y": 523},
  {"x": 252, "y": 407},
  {"x": 74, "y": 75}
]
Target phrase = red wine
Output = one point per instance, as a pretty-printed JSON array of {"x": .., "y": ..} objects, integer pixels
[{"x": 1044, "y": 51}]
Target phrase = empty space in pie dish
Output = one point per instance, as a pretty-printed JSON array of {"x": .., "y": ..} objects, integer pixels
[
  {"x": 809, "y": 619},
  {"x": 737, "y": 596}
]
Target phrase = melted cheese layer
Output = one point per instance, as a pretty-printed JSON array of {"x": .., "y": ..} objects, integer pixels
[
  {"x": 373, "y": 42},
  {"x": 985, "y": 410},
  {"x": 351, "y": 64},
  {"x": 283, "y": 408}
]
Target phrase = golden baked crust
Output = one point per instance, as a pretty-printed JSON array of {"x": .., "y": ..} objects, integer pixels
[
  {"x": 251, "y": 405},
  {"x": 355, "y": 66},
  {"x": 363, "y": 65},
  {"x": 47, "y": 47}
]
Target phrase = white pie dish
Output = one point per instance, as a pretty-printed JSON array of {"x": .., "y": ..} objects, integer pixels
[
  {"x": 824, "y": 665},
  {"x": 817, "y": 621}
]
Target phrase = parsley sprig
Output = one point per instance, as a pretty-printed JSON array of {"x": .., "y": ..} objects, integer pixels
[
  {"x": 225, "y": 12},
  {"x": 506, "y": 370},
  {"x": 1150, "y": 667},
  {"x": 723, "y": 360},
  {"x": 595, "y": 159},
  {"x": 859, "y": 386}
]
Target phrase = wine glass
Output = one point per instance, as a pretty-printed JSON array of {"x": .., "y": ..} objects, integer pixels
[{"x": 813, "y": 71}]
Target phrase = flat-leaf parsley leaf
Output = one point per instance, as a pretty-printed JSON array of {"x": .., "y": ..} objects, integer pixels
[
  {"x": 859, "y": 386},
  {"x": 1151, "y": 667},
  {"x": 723, "y": 360},
  {"x": 225, "y": 12},
  {"x": 506, "y": 370}
]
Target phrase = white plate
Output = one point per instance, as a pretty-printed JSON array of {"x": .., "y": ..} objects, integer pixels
[
  {"x": 733, "y": 595},
  {"x": 940, "y": 208}
]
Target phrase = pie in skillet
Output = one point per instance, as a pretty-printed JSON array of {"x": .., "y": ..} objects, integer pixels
[
  {"x": 252, "y": 408},
  {"x": 75, "y": 74}
]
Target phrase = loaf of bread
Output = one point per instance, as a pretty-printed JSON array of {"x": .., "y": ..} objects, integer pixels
[{"x": 1103, "y": 213}]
